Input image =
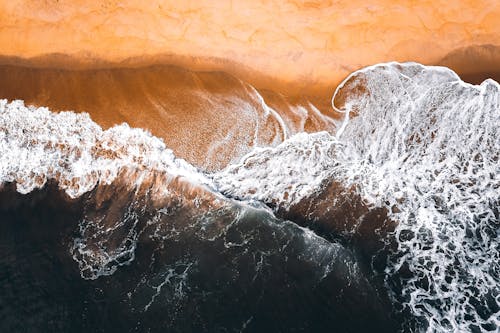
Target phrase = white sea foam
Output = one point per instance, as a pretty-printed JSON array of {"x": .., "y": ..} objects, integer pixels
[
  {"x": 422, "y": 141},
  {"x": 428, "y": 143},
  {"x": 282, "y": 175},
  {"x": 37, "y": 145}
]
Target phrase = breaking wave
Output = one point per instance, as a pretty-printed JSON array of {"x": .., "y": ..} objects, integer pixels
[
  {"x": 394, "y": 220},
  {"x": 425, "y": 146}
]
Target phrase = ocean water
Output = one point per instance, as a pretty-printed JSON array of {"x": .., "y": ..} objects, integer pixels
[{"x": 390, "y": 224}]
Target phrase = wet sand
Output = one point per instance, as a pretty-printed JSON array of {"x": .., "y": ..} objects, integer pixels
[{"x": 207, "y": 118}]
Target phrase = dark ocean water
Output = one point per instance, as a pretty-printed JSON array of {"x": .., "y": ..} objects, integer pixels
[{"x": 236, "y": 268}]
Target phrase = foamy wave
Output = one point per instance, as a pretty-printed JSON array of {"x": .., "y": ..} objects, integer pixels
[
  {"x": 38, "y": 145},
  {"x": 125, "y": 164},
  {"x": 425, "y": 145},
  {"x": 285, "y": 174}
]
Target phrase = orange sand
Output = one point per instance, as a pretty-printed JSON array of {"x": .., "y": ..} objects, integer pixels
[{"x": 305, "y": 46}]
